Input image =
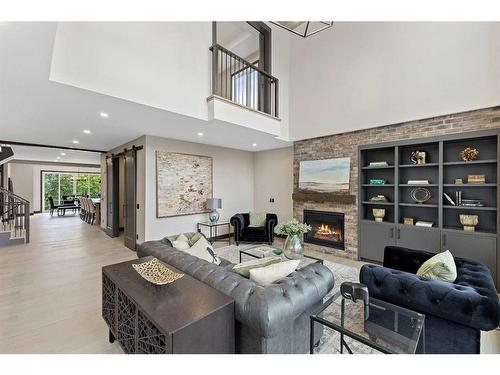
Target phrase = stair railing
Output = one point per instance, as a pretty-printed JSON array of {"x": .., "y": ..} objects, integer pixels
[{"x": 14, "y": 214}]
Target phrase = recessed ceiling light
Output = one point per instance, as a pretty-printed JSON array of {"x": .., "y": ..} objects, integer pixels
[
  {"x": 254, "y": 144},
  {"x": 104, "y": 114},
  {"x": 200, "y": 134},
  {"x": 63, "y": 154},
  {"x": 75, "y": 141},
  {"x": 58, "y": 158},
  {"x": 86, "y": 131}
]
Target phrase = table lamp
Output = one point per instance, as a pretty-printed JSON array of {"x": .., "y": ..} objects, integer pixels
[{"x": 214, "y": 204}]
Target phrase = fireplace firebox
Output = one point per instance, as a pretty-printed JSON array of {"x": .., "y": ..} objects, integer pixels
[{"x": 327, "y": 228}]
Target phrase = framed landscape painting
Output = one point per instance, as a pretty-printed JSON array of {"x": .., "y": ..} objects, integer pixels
[
  {"x": 183, "y": 183},
  {"x": 325, "y": 176}
]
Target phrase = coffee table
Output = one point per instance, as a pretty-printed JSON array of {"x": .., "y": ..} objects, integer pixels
[
  {"x": 262, "y": 251},
  {"x": 186, "y": 316},
  {"x": 389, "y": 328}
]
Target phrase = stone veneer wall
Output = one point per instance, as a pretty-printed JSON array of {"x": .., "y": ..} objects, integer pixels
[{"x": 346, "y": 144}]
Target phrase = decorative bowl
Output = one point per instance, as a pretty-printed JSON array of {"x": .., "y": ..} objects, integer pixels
[{"x": 156, "y": 272}]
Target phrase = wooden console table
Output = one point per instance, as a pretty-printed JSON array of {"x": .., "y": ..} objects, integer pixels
[{"x": 186, "y": 316}]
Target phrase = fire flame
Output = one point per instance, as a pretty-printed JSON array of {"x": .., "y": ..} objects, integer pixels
[{"x": 326, "y": 230}]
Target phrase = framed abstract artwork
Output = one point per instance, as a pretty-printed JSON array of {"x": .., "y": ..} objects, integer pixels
[
  {"x": 183, "y": 183},
  {"x": 325, "y": 176}
]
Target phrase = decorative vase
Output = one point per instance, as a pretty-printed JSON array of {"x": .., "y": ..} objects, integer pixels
[
  {"x": 293, "y": 248},
  {"x": 378, "y": 214},
  {"x": 469, "y": 222}
]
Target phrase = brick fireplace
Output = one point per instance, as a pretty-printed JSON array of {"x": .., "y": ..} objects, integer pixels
[{"x": 346, "y": 145}]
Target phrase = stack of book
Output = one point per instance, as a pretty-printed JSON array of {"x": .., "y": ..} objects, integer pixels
[
  {"x": 378, "y": 164},
  {"x": 459, "y": 201},
  {"x": 471, "y": 203},
  {"x": 418, "y": 182}
]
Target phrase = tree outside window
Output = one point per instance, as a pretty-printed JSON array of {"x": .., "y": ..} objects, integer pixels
[{"x": 62, "y": 184}]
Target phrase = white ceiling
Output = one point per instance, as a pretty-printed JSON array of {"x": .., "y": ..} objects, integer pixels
[
  {"x": 239, "y": 37},
  {"x": 36, "y": 110},
  {"x": 53, "y": 155}
]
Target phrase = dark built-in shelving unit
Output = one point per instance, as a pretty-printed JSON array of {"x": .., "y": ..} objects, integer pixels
[{"x": 443, "y": 166}]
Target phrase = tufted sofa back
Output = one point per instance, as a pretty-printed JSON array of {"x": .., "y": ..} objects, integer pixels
[{"x": 267, "y": 312}]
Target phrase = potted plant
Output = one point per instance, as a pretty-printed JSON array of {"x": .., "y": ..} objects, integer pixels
[{"x": 294, "y": 247}]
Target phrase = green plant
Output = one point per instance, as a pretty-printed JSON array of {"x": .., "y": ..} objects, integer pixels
[{"x": 292, "y": 227}]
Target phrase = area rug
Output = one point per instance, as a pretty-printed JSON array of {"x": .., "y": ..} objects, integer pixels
[{"x": 330, "y": 341}]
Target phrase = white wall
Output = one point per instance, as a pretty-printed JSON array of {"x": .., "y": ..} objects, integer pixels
[
  {"x": 26, "y": 178},
  {"x": 22, "y": 182},
  {"x": 233, "y": 178},
  {"x": 161, "y": 64},
  {"x": 359, "y": 75},
  {"x": 273, "y": 174}
]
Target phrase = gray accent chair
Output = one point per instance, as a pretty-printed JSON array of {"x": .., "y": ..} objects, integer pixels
[{"x": 271, "y": 319}]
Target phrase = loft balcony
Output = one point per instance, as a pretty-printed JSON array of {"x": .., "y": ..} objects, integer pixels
[{"x": 242, "y": 93}]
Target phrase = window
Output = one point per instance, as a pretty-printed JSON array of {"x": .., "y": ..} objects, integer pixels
[
  {"x": 61, "y": 184},
  {"x": 245, "y": 88}
]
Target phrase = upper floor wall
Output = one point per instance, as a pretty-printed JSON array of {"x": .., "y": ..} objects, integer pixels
[
  {"x": 359, "y": 75},
  {"x": 165, "y": 65}
]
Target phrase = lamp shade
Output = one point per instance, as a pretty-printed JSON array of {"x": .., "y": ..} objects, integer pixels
[{"x": 214, "y": 203}]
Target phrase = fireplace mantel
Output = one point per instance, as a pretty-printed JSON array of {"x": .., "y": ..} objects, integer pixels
[{"x": 324, "y": 197}]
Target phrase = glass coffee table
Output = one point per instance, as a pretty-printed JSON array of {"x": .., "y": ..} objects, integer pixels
[
  {"x": 389, "y": 328},
  {"x": 262, "y": 251}
]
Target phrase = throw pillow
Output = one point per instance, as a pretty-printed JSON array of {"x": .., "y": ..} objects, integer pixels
[
  {"x": 440, "y": 267},
  {"x": 181, "y": 243},
  {"x": 203, "y": 249},
  {"x": 195, "y": 238},
  {"x": 244, "y": 268},
  {"x": 268, "y": 275},
  {"x": 257, "y": 219}
]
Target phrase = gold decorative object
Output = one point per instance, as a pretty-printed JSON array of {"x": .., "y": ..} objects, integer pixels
[
  {"x": 408, "y": 220},
  {"x": 469, "y": 154},
  {"x": 156, "y": 272},
  {"x": 419, "y": 157},
  {"x": 469, "y": 222},
  {"x": 476, "y": 179},
  {"x": 378, "y": 214},
  {"x": 459, "y": 181}
]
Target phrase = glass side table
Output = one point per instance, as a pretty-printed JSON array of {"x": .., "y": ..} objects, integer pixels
[
  {"x": 389, "y": 328},
  {"x": 213, "y": 229}
]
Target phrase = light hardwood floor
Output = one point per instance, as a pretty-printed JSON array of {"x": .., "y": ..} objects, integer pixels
[{"x": 50, "y": 289}]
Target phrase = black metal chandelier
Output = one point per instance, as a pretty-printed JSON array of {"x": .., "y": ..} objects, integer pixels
[{"x": 304, "y": 28}]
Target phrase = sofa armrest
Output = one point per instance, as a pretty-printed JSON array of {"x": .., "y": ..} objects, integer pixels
[
  {"x": 271, "y": 310},
  {"x": 238, "y": 222},
  {"x": 474, "y": 307}
]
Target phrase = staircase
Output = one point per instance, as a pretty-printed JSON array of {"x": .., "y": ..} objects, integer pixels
[{"x": 14, "y": 219}]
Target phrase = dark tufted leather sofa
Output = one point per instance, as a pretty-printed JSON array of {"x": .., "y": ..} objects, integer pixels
[
  {"x": 455, "y": 312},
  {"x": 244, "y": 233},
  {"x": 272, "y": 319}
]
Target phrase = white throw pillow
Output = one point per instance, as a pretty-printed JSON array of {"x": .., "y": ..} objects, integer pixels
[
  {"x": 268, "y": 275},
  {"x": 181, "y": 243},
  {"x": 203, "y": 249}
]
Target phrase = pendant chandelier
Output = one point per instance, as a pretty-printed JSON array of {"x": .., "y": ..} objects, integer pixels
[{"x": 304, "y": 28}]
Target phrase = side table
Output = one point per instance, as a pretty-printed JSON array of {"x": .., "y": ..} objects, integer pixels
[{"x": 213, "y": 229}]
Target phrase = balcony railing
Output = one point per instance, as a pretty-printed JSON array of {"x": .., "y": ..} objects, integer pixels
[{"x": 243, "y": 83}]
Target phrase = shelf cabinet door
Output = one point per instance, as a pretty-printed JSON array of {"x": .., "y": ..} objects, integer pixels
[
  {"x": 374, "y": 237},
  {"x": 472, "y": 246},
  {"x": 418, "y": 238}
]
